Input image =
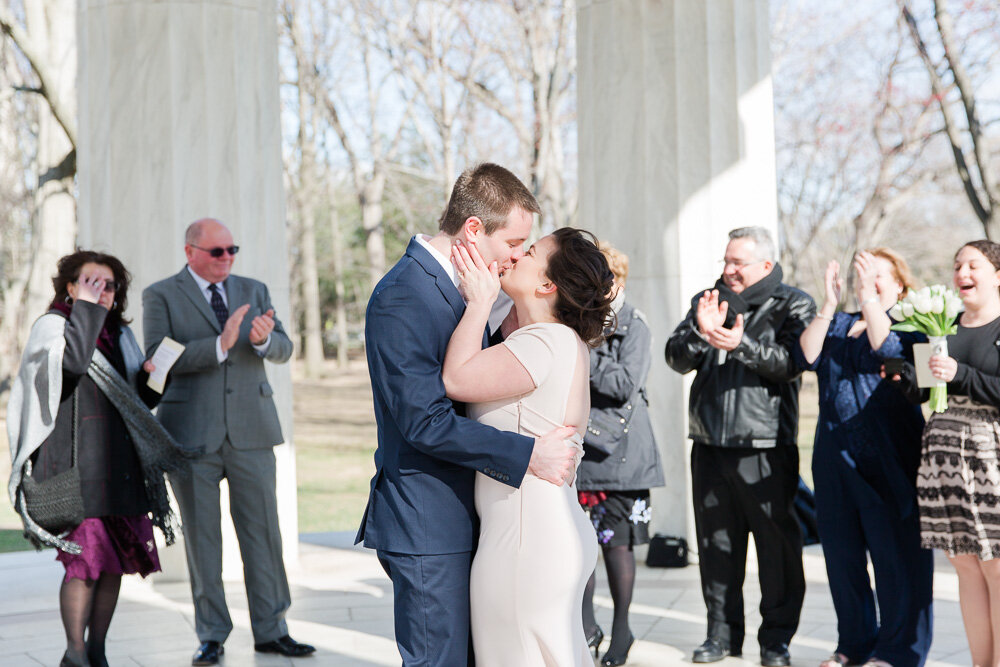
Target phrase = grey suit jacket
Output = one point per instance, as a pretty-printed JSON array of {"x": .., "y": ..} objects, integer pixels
[{"x": 205, "y": 400}]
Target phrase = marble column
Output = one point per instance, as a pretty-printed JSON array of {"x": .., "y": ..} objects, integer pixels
[
  {"x": 676, "y": 147},
  {"x": 179, "y": 119}
]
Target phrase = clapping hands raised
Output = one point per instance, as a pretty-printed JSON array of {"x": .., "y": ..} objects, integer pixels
[{"x": 711, "y": 318}]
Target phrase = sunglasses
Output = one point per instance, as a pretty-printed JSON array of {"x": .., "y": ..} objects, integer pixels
[{"x": 218, "y": 252}]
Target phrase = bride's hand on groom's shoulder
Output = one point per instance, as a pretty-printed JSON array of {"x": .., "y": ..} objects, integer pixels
[{"x": 478, "y": 282}]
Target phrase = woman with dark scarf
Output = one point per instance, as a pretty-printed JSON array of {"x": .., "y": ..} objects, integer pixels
[
  {"x": 864, "y": 465},
  {"x": 83, "y": 365}
]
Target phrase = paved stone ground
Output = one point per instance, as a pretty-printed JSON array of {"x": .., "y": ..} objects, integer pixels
[{"x": 342, "y": 603}]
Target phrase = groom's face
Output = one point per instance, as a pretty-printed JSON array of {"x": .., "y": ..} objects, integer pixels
[{"x": 506, "y": 245}]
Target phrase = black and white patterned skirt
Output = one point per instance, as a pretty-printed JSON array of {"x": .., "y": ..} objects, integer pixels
[{"x": 958, "y": 484}]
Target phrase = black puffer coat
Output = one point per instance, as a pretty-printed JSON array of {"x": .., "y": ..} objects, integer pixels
[
  {"x": 751, "y": 399},
  {"x": 618, "y": 370}
]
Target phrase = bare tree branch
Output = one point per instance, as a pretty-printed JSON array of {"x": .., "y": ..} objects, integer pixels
[
  {"x": 951, "y": 128},
  {"x": 47, "y": 88}
]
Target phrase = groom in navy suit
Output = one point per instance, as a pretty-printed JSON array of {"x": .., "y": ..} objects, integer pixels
[{"x": 421, "y": 517}]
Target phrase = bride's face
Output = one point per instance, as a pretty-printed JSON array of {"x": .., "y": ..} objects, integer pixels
[{"x": 529, "y": 272}]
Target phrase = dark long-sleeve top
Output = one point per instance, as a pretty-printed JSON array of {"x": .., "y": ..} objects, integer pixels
[
  {"x": 977, "y": 351},
  {"x": 868, "y": 420},
  {"x": 111, "y": 479}
]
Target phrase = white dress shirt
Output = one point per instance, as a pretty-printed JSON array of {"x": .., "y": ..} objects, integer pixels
[{"x": 206, "y": 291}]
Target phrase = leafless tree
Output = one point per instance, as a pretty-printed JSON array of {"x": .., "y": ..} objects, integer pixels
[
  {"x": 44, "y": 35},
  {"x": 955, "y": 96}
]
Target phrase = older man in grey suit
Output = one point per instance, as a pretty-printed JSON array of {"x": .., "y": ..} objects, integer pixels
[{"x": 219, "y": 398}]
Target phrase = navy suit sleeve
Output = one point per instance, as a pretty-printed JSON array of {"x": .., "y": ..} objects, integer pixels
[{"x": 406, "y": 355}]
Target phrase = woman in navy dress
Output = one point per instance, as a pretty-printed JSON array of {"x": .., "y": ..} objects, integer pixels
[{"x": 865, "y": 460}]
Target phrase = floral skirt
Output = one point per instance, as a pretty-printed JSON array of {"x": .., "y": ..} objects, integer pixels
[
  {"x": 620, "y": 518},
  {"x": 958, "y": 484},
  {"x": 111, "y": 545}
]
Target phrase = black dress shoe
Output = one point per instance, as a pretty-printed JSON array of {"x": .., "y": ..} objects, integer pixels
[
  {"x": 712, "y": 650},
  {"x": 208, "y": 653},
  {"x": 286, "y": 646},
  {"x": 775, "y": 655}
]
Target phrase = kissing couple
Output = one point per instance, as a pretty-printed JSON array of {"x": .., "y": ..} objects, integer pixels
[{"x": 472, "y": 510}]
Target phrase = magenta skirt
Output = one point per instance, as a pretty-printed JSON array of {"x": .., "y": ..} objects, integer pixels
[{"x": 111, "y": 545}]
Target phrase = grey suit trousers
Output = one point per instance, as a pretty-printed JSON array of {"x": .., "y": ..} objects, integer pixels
[{"x": 254, "y": 507}]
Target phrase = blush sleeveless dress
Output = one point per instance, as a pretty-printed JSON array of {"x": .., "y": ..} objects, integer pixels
[{"x": 536, "y": 545}]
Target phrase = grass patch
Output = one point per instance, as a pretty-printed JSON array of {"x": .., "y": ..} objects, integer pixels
[
  {"x": 12, "y": 539},
  {"x": 332, "y": 486}
]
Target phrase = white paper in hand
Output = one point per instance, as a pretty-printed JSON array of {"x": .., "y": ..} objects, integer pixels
[
  {"x": 922, "y": 353},
  {"x": 164, "y": 358}
]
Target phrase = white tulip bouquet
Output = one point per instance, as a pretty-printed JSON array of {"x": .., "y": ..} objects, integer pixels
[{"x": 931, "y": 311}]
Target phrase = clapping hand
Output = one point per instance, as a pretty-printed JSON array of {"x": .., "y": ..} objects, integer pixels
[
  {"x": 261, "y": 327},
  {"x": 833, "y": 284},
  {"x": 726, "y": 339},
  {"x": 710, "y": 313},
  {"x": 231, "y": 332},
  {"x": 864, "y": 268},
  {"x": 479, "y": 283},
  {"x": 711, "y": 318}
]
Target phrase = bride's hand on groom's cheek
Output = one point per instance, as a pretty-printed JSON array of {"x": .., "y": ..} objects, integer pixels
[{"x": 477, "y": 281}]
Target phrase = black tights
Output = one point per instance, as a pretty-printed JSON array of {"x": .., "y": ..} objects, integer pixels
[
  {"x": 86, "y": 606},
  {"x": 620, "y": 564}
]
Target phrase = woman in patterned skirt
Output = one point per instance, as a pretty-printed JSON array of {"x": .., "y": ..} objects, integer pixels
[{"x": 958, "y": 484}]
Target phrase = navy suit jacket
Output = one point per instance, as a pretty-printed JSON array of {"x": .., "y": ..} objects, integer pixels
[{"x": 421, "y": 498}]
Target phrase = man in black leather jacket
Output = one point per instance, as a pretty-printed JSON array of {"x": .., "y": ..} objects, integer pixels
[{"x": 739, "y": 337}]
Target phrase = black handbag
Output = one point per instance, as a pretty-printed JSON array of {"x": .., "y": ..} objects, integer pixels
[
  {"x": 667, "y": 551},
  {"x": 56, "y": 504}
]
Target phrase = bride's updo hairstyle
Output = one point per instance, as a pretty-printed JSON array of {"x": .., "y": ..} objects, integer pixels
[{"x": 584, "y": 284}]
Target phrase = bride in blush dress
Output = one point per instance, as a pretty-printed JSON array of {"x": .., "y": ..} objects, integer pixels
[{"x": 536, "y": 545}]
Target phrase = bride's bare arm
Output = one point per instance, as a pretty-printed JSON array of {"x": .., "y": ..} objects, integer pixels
[{"x": 470, "y": 373}]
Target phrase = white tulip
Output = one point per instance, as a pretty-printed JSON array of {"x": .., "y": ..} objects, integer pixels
[
  {"x": 908, "y": 309},
  {"x": 896, "y": 312},
  {"x": 922, "y": 302},
  {"x": 937, "y": 304},
  {"x": 952, "y": 308}
]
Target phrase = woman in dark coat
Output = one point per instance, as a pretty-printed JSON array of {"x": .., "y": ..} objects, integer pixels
[
  {"x": 120, "y": 473},
  {"x": 621, "y": 461},
  {"x": 865, "y": 460}
]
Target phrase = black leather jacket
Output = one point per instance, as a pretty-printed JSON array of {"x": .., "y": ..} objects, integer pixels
[{"x": 750, "y": 399}]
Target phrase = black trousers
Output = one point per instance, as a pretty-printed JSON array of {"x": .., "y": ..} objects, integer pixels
[{"x": 738, "y": 491}]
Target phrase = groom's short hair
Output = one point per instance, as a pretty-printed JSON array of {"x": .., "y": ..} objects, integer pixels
[{"x": 489, "y": 192}]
